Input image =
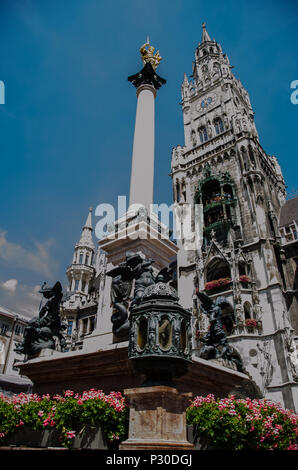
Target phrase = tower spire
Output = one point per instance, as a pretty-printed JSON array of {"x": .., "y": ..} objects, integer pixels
[
  {"x": 205, "y": 35},
  {"x": 86, "y": 236},
  {"x": 81, "y": 272},
  {"x": 88, "y": 223}
]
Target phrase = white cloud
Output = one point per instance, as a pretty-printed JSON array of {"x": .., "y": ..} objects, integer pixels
[
  {"x": 24, "y": 300},
  {"x": 10, "y": 286},
  {"x": 38, "y": 260}
]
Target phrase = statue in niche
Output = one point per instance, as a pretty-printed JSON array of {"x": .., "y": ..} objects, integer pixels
[
  {"x": 42, "y": 330},
  {"x": 209, "y": 129},
  {"x": 215, "y": 344}
]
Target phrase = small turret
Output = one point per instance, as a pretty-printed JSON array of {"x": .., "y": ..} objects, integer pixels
[{"x": 81, "y": 272}]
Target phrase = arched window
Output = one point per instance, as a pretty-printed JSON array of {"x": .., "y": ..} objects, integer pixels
[
  {"x": 203, "y": 134},
  {"x": 218, "y": 268},
  {"x": 218, "y": 124},
  {"x": 69, "y": 327}
]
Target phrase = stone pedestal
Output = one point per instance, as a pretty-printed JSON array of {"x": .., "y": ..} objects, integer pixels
[
  {"x": 139, "y": 235},
  {"x": 157, "y": 419}
]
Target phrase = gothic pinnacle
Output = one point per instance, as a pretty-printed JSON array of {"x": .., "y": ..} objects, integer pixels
[{"x": 205, "y": 35}]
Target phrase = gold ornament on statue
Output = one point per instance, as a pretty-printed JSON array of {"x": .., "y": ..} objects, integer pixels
[{"x": 148, "y": 56}]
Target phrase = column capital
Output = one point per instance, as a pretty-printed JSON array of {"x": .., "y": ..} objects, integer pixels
[
  {"x": 147, "y": 76},
  {"x": 146, "y": 86}
]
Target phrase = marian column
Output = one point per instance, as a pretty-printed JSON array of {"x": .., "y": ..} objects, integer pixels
[
  {"x": 147, "y": 82},
  {"x": 138, "y": 231}
]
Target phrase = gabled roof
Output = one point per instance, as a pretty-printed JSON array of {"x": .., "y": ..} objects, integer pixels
[{"x": 214, "y": 251}]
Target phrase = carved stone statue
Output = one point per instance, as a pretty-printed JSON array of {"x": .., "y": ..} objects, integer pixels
[
  {"x": 144, "y": 277},
  {"x": 120, "y": 294},
  {"x": 215, "y": 344},
  {"x": 42, "y": 331}
]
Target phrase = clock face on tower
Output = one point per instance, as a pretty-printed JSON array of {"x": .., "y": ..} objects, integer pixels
[{"x": 206, "y": 102}]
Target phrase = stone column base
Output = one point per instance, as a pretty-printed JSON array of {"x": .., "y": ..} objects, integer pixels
[{"x": 157, "y": 419}]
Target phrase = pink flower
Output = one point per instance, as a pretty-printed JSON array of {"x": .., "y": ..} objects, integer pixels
[
  {"x": 40, "y": 413},
  {"x": 293, "y": 447},
  {"x": 71, "y": 434}
]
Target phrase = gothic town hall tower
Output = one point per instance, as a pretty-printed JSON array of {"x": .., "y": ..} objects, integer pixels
[{"x": 223, "y": 166}]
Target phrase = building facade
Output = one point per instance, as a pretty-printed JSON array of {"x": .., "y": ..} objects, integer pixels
[
  {"x": 12, "y": 326},
  {"x": 223, "y": 167}
]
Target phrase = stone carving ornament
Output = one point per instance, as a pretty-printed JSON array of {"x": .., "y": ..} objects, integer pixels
[
  {"x": 130, "y": 279},
  {"x": 215, "y": 344}
]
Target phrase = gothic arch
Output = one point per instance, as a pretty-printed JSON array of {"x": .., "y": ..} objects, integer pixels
[
  {"x": 217, "y": 268},
  {"x": 203, "y": 134},
  {"x": 218, "y": 125}
]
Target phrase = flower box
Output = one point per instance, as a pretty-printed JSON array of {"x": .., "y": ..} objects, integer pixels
[
  {"x": 245, "y": 280},
  {"x": 25, "y": 437},
  {"x": 90, "y": 438},
  {"x": 251, "y": 323},
  {"x": 217, "y": 284},
  {"x": 200, "y": 442}
]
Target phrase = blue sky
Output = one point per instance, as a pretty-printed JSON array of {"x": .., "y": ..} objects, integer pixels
[{"x": 66, "y": 129}]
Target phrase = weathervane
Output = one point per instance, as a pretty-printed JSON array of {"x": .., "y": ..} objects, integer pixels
[{"x": 148, "y": 56}]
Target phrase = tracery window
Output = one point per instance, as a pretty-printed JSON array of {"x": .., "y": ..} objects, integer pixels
[
  {"x": 203, "y": 134},
  {"x": 218, "y": 124}
]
